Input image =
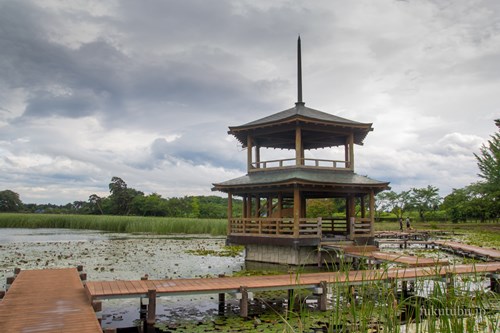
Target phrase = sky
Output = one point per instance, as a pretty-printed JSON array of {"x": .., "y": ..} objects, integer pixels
[{"x": 146, "y": 90}]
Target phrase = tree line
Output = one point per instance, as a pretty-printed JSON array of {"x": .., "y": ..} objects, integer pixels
[{"x": 124, "y": 200}]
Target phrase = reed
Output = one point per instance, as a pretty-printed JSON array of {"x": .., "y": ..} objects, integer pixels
[
  {"x": 130, "y": 224},
  {"x": 432, "y": 305}
]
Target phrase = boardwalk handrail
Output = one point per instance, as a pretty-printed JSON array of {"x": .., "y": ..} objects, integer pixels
[{"x": 275, "y": 227}]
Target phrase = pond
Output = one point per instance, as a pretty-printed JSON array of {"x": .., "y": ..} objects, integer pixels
[
  {"x": 112, "y": 256},
  {"x": 117, "y": 256}
]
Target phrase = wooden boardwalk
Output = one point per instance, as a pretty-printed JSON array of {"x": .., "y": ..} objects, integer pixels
[
  {"x": 486, "y": 253},
  {"x": 50, "y": 300},
  {"x": 118, "y": 289},
  {"x": 372, "y": 253}
]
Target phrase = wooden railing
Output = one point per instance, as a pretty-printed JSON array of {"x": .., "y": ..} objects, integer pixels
[
  {"x": 360, "y": 227},
  {"x": 334, "y": 226},
  {"x": 306, "y": 162},
  {"x": 274, "y": 227}
]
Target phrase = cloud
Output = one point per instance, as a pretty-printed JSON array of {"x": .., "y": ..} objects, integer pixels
[{"x": 146, "y": 90}]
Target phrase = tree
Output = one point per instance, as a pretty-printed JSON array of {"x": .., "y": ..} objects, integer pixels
[
  {"x": 121, "y": 196},
  {"x": 95, "y": 203},
  {"x": 489, "y": 160},
  {"x": 10, "y": 201},
  {"x": 397, "y": 203},
  {"x": 424, "y": 200},
  {"x": 320, "y": 208}
]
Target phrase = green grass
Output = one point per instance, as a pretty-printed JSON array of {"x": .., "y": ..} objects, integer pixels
[{"x": 129, "y": 224}]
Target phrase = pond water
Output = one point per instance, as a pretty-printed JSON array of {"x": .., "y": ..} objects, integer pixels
[
  {"x": 116, "y": 256},
  {"x": 112, "y": 256}
]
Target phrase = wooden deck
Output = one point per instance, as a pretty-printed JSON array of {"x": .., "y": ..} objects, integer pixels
[
  {"x": 119, "y": 289},
  {"x": 50, "y": 300},
  {"x": 371, "y": 252},
  {"x": 491, "y": 254}
]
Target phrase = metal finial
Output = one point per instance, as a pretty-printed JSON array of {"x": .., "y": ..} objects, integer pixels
[{"x": 299, "y": 73}]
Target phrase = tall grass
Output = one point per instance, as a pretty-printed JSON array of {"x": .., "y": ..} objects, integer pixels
[
  {"x": 382, "y": 306},
  {"x": 130, "y": 224}
]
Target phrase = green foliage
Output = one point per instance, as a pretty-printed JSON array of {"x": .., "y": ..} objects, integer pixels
[
  {"x": 10, "y": 201},
  {"x": 320, "y": 208},
  {"x": 425, "y": 200},
  {"x": 397, "y": 203},
  {"x": 489, "y": 160}
]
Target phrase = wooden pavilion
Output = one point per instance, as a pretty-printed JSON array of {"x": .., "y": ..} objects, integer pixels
[{"x": 275, "y": 193}]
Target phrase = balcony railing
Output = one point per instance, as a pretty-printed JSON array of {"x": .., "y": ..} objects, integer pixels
[
  {"x": 361, "y": 227},
  {"x": 274, "y": 227},
  {"x": 306, "y": 162}
]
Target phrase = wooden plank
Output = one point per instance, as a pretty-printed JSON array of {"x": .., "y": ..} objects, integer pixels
[{"x": 48, "y": 301}]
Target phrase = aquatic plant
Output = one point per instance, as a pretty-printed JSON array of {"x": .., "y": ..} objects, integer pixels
[{"x": 130, "y": 224}]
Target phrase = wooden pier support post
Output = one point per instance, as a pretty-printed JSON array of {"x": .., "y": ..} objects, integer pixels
[
  {"x": 222, "y": 304},
  {"x": 322, "y": 296},
  {"x": 495, "y": 282},
  {"x": 151, "y": 319},
  {"x": 244, "y": 302},
  {"x": 290, "y": 299},
  {"x": 450, "y": 284},
  {"x": 404, "y": 289}
]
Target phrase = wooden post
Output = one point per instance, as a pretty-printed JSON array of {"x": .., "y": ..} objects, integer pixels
[
  {"x": 269, "y": 206},
  {"x": 296, "y": 212},
  {"x": 257, "y": 205},
  {"x": 322, "y": 297},
  {"x": 249, "y": 205},
  {"x": 280, "y": 205},
  {"x": 244, "y": 210},
  {"x": 495, "y": 282},
  {"x": 244, "y": 302},
  {"x": 351, "y": 151},
  {"x": 299, "y": 158},
  {"x": 222, "y": 304},
  {"x": 257, "y": 156},
  {"x": 290, "y": 299},
  {"x": 362, "y": 204},
  {"x": 151, "y": 319},
  {"x": 249, "y": 152},
  {"x": 229, "y": 212},
  {"x": 450, "y": 284},
  {"x": 372, "y": 213}
]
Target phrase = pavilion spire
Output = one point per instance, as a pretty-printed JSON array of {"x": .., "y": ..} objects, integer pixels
[{"x": 299, "y": 73}]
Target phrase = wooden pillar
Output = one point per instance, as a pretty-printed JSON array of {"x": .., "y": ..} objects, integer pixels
[
  {"x": 249, "y": 205},
  {"x": 372, "y": 213},
  {"x": 269, "y": 206},
  {"x": 346, "y": 153},
  {"x": 257, "y": 156},
  {"x": 362, "y": 204},
  {"x": 257, "y": 205},
  {"x": 299, "y": 155},
  {"x": 229, "y": 211},
  {"x": 244, "y": 210},
  {"x": 244, "y": 302},
  {"x": 280, "y": 205},
  {"x": 351, "y": 210},
  {"x": 351, "y": 151},
  {"x": 249, "y": 152},
  {"x": 296, "y": 211},
  {"x": 303, "y": 206}
]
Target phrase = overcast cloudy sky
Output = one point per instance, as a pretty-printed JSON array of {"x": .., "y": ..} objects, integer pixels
[{"x": 145, "y": 90}]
